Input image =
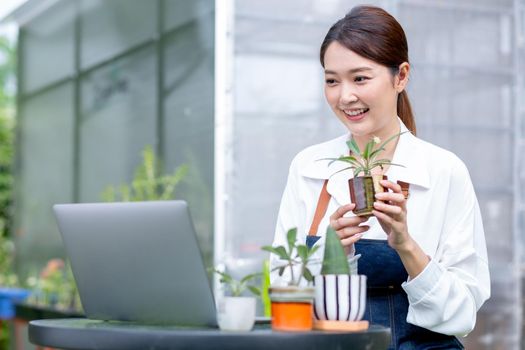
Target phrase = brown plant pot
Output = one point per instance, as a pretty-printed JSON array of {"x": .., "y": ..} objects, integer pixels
[{"x": 362, "y": 193}]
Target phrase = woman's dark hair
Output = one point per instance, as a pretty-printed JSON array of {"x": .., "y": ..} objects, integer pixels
[{"x": 373, "y": 33}]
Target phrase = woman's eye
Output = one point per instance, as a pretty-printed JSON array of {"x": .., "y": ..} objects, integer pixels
[
  {"x": 330, "y": 81},
  {"x": 360, "y": 79}
]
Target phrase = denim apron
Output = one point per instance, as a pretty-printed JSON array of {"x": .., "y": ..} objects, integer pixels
[{"x": 387, "y": 302}]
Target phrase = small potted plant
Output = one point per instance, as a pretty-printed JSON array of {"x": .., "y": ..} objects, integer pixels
[
  {"x": 364, "y": 187},
  {"x": 340, "y": 297},
  {"x": 236, "y": 312},
  {"x": 292, "y": 305}
]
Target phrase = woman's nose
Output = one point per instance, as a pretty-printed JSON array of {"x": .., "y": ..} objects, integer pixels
[{"x": 347, "y": 95}]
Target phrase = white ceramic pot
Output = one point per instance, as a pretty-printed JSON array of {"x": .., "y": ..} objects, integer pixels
[
  {"x": 339, "y": 297},
  {"x": 236, "y": 313}
]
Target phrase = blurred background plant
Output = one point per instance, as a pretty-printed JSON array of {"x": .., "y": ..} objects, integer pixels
[
  {"x": 8, "y": 278},
  {"x": 149, "y": 182},
  {"x": 7, "y": 112},
  {"x": 54, "y": 287}
]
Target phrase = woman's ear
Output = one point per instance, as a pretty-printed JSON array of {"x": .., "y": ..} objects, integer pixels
[{"x": 401, "y": 80}]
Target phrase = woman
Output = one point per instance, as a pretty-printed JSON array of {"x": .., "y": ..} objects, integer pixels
[{"x": 425, "y": 255}]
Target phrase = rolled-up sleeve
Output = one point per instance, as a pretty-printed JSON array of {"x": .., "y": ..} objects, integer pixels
[{"x": 447, "y": 294}]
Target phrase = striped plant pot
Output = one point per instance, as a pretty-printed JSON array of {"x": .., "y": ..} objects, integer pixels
[{"x": 339, "y": 297}]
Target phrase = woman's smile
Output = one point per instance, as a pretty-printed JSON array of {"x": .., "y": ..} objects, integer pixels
[{"x": 355, "y": 115}]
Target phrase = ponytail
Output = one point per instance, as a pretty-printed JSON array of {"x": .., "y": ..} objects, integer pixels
[{"x": 404, "y": 110}]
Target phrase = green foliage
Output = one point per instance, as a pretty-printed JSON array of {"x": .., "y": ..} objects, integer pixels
[
  {"x": 7, "y": 104},
  {"x": 364, "y": 161},
  {"x": 148, "y": 184},
  {"x": 7, "y": 112},
  {"x": 294, "y": 255},
  {"x": 237, "y": 287},
  {"x": 334, "y": 260},
  {"x": 7, "y": 77},
  {"x": 7, "y": 276},
  {"x": 55, "y": 287}
]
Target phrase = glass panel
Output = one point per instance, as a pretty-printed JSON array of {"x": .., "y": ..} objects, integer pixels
[
  {"x": 118, "y": 120},
  {"x": 267, "y": 105},
  {"x": 111, "y": 27},
  {"x": 189, "y": 120},
  {"x": 458, "y": 35},
  {"x": 449, "y": 96},
  {"x": 180, "y": 12},
  {"x": 480, "y": 149},
  {"x": 45, "y": 175},
  {"x": 47, "y": 49}
]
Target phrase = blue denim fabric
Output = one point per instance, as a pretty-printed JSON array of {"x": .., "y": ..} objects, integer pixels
[
  {"x": 310, "y": 240},
  {"x": 387, "y": 302}
]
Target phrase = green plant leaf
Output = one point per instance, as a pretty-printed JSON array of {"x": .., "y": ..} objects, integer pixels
[
  {"x": 291, "y": 237},
  {"x": 250, "y": 276},
  {"x": 350, "y": 160},
  {"x": 353, "y": 147},
  {"x": 376, "y": 152},
  {"x": 311, "y": 251},
  {"x": 368, "y": 149},
  {"x": 339, "y": 171},
  {"x": 381, "y": 163},
  {"x": 390, "y": 139},
  {"x": 357, "y": 171},
  {"x": 302, "y": 251},
  {"x": 280, "y": 251},
  {"x": 254, "y": 290},
  {"x": 225, "y": 278},
  {"x": 308, "y": 275},
  {"x": 334, "y": 261}
]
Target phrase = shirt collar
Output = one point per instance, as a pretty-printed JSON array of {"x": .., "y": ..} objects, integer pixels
[{"x": 408, "y": 153}]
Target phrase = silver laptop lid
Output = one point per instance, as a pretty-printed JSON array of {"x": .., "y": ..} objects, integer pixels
[{"x": 137, "y": 261}]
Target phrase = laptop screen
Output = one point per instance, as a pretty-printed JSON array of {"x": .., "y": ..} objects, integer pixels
[{"x": 137, "y": 261}]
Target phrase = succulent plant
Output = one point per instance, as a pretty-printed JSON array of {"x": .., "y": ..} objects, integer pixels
[{"x": 334, "y": 261}]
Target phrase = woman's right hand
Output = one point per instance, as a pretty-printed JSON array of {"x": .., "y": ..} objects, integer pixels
[{"x": 347, "y": 228}]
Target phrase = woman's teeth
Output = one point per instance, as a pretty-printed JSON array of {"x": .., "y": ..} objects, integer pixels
[{"x": 356, "y": 111}]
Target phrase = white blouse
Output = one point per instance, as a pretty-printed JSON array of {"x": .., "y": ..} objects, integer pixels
[{"x": 443, "y": 218}]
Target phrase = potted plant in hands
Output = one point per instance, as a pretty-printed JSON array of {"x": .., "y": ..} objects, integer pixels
[
  {"x": 292, "y": 304},
  {"x": 363, "y": 188},
  {"x": 236, "y": 312},
  {"x": 340, "y": 296}
]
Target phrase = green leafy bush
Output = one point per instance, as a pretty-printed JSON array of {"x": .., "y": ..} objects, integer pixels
[{"x": 149, "y": 183}]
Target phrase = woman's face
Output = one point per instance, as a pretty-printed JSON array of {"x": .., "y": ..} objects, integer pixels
[{"x": 362, "y": 93}]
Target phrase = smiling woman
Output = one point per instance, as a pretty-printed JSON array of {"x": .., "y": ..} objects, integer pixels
[
  {"x": 362, "y": 93},
  {"x": 424, "y": 253}
]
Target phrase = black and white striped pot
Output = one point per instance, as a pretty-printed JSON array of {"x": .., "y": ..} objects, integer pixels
[{"x": 339, "y": 297}]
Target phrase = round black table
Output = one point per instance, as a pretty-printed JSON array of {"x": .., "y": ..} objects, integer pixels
[{"x": 81, "y": 333}]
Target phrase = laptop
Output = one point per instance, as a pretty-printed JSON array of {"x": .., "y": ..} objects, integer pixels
[{"x": 137, "y": 261}]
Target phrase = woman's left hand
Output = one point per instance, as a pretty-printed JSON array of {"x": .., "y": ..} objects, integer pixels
[{"x": 391, "y": 212}]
